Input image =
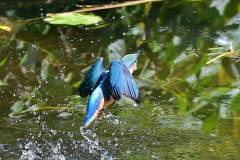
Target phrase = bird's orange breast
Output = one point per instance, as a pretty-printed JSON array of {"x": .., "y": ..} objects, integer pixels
[{"x": 108, "y": 102}]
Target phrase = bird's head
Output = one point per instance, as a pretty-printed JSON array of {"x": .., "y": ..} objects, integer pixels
[{"x": 130, "y": 60}]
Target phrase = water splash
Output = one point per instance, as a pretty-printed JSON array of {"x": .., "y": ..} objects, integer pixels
[{"x": 92, "y": 145}]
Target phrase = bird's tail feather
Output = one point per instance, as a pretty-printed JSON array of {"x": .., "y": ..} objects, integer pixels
[{"x": 95, "y": 104}]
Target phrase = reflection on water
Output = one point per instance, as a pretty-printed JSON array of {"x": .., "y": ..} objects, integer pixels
[{"x": 189, "y": 84}]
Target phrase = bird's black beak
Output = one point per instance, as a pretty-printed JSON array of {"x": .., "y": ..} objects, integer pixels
[{"x": 141, "y": 48}]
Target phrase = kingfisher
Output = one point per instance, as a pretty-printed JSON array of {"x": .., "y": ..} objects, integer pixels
[{"x": 104, "y": 86}]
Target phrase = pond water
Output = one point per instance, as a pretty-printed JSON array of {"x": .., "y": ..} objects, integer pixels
[{"x": 189, "y": 101}]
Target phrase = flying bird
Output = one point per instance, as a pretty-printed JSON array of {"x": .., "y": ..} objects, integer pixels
[{"x": 103, "y": 87}]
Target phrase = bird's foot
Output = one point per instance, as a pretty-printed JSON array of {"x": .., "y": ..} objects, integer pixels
[{"x": 101, "y": 114}]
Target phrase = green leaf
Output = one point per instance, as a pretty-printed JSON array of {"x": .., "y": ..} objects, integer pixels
[
  {"x": 17, "y": 109},
  {"x": 68, "y": 77},
  {"x": 2, "y": 83},
  {"x": 44, "y": 69},
  {"x": 76, "y": 84},
  {"x": 64, "y": 115},
  {"x": 220, "y": 6},
  {"x": 30, "y": 58},
  {"x": 73, "y": 19},
  {"x": 182, "y": 103},
  {"x": 5, "y": 28},
  {"x": 17, "y": 106},
  {"x": 198, "y": 106},
  {"x": 3, "y": 61},
  {"x": 235, "y": 104},
  {"x": 210, "y": 123}
]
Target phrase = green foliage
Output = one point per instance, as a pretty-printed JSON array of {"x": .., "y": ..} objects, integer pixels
[
  {"x": 44, "y": 69},
  {"x": 29, "y": 59},
  {"x": 235, "y": 104},
  {"x": 210, "y": 122},
  {"x": 3, "y": 61},
  {"x": 73, "y": 19},
  {"x": 17, "y": 109},
  {"x": 65, "y": 115}
]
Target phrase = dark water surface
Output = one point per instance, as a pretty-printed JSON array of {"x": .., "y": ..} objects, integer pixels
[{"x": 189, "y": 106}]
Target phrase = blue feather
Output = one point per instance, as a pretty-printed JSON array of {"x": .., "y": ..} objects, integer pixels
[
  {"x": 93, "y": 106},
  {"x": 91, "y": 78},
  {"x": 122, "y": 82}
]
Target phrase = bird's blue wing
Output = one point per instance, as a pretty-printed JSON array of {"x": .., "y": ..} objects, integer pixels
[
  {"x": 94, "y": 105},
  {"x": 122, "y": 82},
  {"x": 91, "y": 78}
]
